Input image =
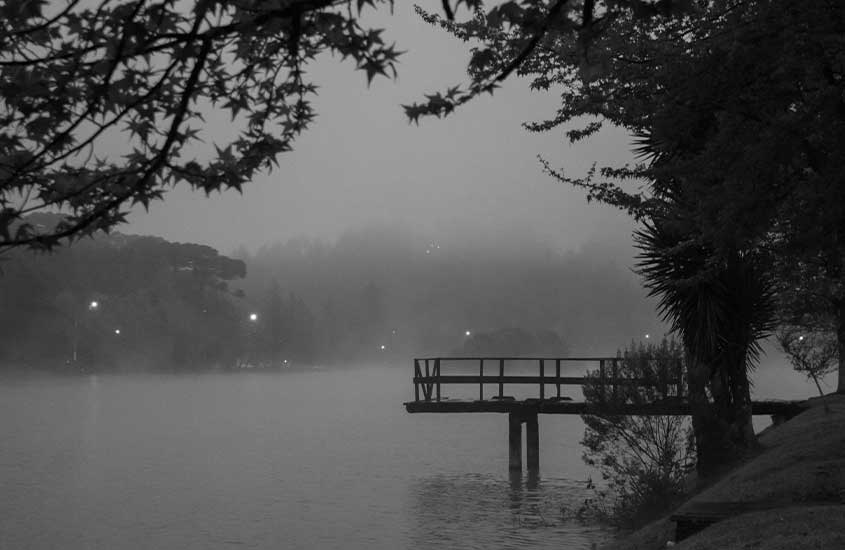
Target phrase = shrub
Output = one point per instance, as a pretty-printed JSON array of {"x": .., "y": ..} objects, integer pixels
[{"x": 643, "y": 460}]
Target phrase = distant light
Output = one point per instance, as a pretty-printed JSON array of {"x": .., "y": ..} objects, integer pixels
[
  {"x": 383, "y": 346},
  {"x": 428, "y": 251},
  {"x": 438, "y": 247},
  {"x": 800, "y": 338},
  {"x": 393, "y": 331},
  {"x": 94, "y": 304},
  {"x": 253, "y": 317},
  {"x": 117, "y": 331},
  {"x": 647, "y": 336},
  {"x": 286, "y": 361}
]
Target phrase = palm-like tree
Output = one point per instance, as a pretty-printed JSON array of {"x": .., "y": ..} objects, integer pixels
[{"x": 722, "y": 304}]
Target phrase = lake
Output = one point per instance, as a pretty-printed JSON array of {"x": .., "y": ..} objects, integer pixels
[{"x": 319, "y": 459}]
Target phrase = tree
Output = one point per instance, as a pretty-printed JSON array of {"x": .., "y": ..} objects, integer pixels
[
  {"x": 811, "y": 352},
  {"x": 738, "y": 110},
  {"x": 513, "y": 342},
  {"x": 643, "y": 460},
  {"x": 721, "y": 309},
  {"x": 168, "y": 301},
  {"x": 742, "y": 101},
  {"x": 73, "y": 76},
  {"x": 274, "y": 326}
]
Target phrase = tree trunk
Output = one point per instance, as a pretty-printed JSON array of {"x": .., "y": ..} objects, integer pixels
[
  {"x": 704, "y": 427},
  {"x": 723, "y": 427},
  {"x": 840, "y": 338}
]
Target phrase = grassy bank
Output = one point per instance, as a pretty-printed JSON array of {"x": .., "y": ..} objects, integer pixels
[{"x": 800, "y": 469}]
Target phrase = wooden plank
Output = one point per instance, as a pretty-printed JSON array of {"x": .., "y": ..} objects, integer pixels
[
  {"x": 417, "y": 374},
  {"x": 695, "y": 516},
  {"x": 481, "y": 375},
  {"x": 557, "y": 375},
  {"x": 527, "y": 358},
  {"x": 501, "y": 377},
  {"x": 437, "y": 374},
  {"x": 532, "y": 442},
  {"x": 553, "y": 406},
  {"x": 515, "y": 442},
  {"x": 427, "y": 383},
  {"x": 542, "y": 385},
  {"x": 524, "y": 379}
]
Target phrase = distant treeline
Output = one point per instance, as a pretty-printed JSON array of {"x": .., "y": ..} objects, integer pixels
[
  {"x": 119, "y": 301},
  {"x": 384, "y": 285},
  {"x": 381, "y": 294}
]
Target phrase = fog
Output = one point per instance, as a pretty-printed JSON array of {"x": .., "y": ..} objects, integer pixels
[
  {"x": 232, "y": 368},
  {"x": 361, "y": 161}
]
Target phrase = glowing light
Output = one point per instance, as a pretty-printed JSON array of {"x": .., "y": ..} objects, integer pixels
[
  {"x": 800, "y": 338},
  {"x": 253, "y": 317},
  {"x": 647, "y": 336},
  {"x": 94, "y": 304},
  {"x": 468, "y": 333},
  {"x": 383, "y": 346},
  {"x": 117, "y": 331}
]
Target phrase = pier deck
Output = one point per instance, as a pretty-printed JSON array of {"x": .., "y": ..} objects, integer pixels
[
  {"x": 607, "y": 382},
  {"x": 767, "y": 407}
]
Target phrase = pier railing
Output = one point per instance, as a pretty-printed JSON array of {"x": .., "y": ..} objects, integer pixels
[
  {"x": 645, "y": 387},
  {"x": 602, "y": 372}
]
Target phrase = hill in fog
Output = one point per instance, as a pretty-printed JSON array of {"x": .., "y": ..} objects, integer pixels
[{"x": 379, "y": 293}]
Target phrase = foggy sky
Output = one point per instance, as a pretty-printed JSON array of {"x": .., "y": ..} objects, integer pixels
[{"x": 361, "y": 162}]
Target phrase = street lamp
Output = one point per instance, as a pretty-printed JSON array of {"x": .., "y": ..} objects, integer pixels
[{"x": 93, "y": 305}]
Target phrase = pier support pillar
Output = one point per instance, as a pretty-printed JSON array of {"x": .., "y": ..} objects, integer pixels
[
  {"x": 515, "y": 442},
  {"x": 532, "y": 442}
]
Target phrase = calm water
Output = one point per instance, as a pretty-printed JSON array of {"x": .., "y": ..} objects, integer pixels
[{"x": 297, "y": 460}]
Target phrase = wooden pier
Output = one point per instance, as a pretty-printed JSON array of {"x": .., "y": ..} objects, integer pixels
[{"x": 601, "y": 372}]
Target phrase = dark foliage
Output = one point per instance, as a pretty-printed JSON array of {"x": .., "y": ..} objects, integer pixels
[{"x": 643, "y": 460}]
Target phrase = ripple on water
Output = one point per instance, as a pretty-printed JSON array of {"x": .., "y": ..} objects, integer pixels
[{"x": 484, "y": 511}]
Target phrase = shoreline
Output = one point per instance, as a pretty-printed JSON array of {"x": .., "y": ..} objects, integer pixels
[{"x": 800, "y": 471}]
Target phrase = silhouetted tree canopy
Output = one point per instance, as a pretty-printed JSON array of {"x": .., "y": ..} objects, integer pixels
[
  {"x": 74, "y": 75},
  {"x": 158, "y": 305},
  {"x": 738, "y": 111}
]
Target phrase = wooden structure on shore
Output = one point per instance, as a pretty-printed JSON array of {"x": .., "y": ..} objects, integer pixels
[{"x": 429, "y": 379}]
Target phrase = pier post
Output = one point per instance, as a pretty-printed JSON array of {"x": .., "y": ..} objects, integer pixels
[
  {"x": 532, "y": 442},
  {"x": 515, "y": 442}
]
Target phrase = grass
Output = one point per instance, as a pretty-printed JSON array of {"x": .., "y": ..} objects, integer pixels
[{"x": 801, "y": 468}]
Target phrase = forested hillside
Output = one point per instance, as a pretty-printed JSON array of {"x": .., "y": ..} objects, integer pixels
[{"x": 380, "y": 293}]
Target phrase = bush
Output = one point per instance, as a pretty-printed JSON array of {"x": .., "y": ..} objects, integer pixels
[
  {"x": 643, "y": 460},
  {"x": 812, "y": 352}
]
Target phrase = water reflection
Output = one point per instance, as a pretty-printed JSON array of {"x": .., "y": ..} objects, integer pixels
[
  {"x": 515, "y": 512},
  {"x": 522, "y": 485},
  {"x": 208, "y": 462}
]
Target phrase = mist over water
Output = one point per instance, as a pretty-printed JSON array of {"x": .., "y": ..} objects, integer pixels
[{"x": 316, "y": 459}]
